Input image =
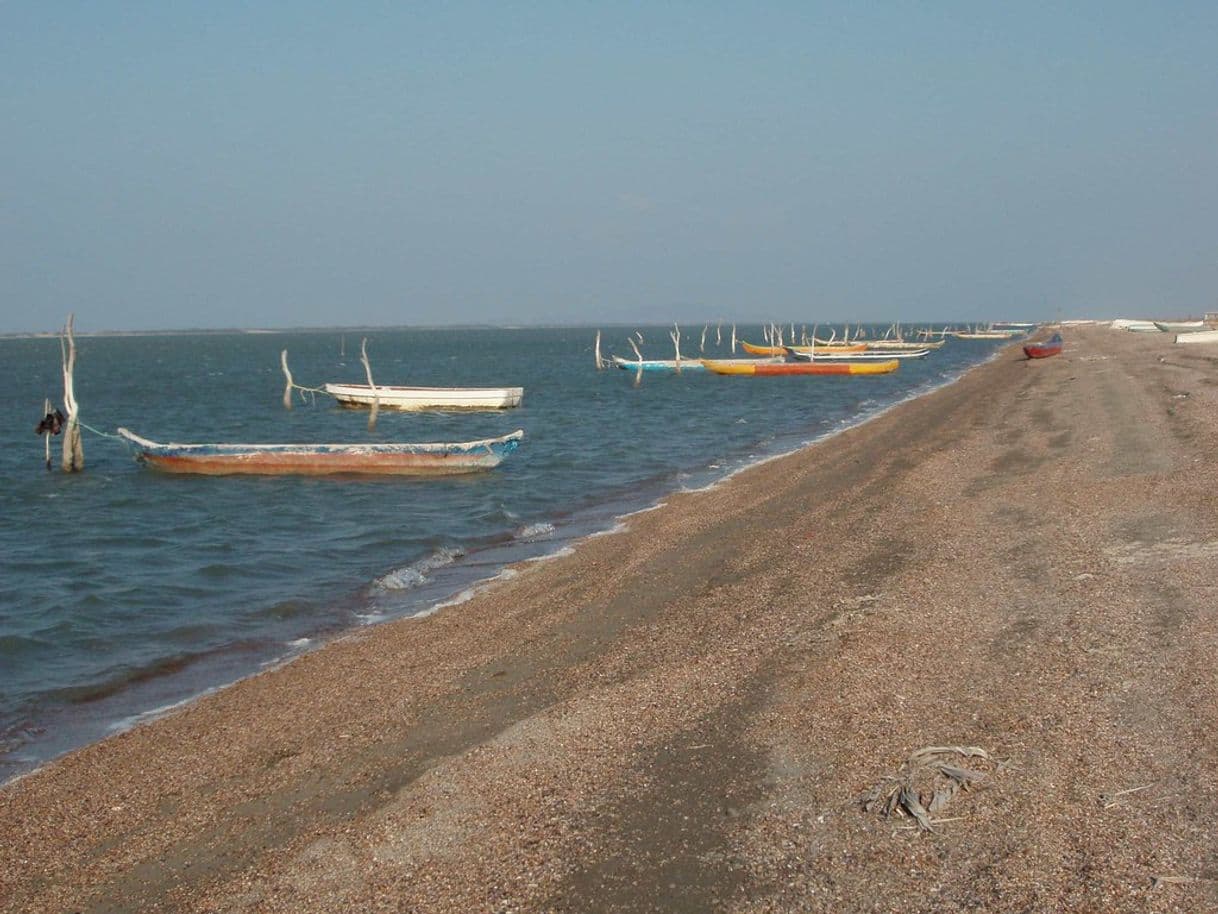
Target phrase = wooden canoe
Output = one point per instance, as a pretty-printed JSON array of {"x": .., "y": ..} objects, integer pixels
[
  {"x": 1051, "y": 346},
  {"x": 986, "y": 334},
  {"x": 360, "y": 396},
  {"x": 761, "y": 369},
  {"x": 781, "y": 350},
  {"x": 658, "y": 364},
  {"x": 902, "y": 345},
  {"x": 821, "y": 356},
  {"x": 686, "y": 364},
  {"x": 432, "y": 459}
]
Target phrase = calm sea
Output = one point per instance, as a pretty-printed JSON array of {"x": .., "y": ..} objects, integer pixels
[{"x": 124, "y": 591}]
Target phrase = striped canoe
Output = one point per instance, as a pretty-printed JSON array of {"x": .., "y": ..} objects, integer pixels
[{"x": 764, "y": 369}]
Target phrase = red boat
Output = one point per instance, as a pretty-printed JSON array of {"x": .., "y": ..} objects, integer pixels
[{"x": 1051, "y": 346}]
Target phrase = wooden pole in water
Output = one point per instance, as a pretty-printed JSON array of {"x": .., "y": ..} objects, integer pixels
[
  {"x": 702, "y": 345},
  {"x": 46, "y": 411},
  {"x": 719, "y": 334},
  {"x": 73, "y": 450},
  {"x": 287, "y": 390},
  {"x": 638, "y": 375},
  {"x": 599, "y": 363},
  {"x": 376, "y": 397},
  {"x": 733, "y": 339},
  {"x": 675, "y": 335}
]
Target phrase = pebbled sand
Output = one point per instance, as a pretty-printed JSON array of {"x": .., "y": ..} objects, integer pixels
[{"x": 685, "y": 715}]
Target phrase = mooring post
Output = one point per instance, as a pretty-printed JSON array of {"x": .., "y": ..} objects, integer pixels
[
  {"x": 376, "y": 397},
  {"x": 287, "y": 390},
  {"x": 73, "y": 450}
]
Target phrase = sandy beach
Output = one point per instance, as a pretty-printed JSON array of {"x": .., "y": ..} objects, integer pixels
[{"x": 688, "y": 715}]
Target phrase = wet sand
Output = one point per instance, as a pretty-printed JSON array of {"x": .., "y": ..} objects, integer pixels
[{"x": 685, "y": 715}]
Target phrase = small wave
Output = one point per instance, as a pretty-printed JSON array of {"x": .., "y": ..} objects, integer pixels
[
  {"x": 557, "y": 554},
  {"x": 463, "y": 597},
  {"x": 535, "y": 531},
  {"x": 415, "y": 574},
  {"x": 126, "y": 723},
  {"x": 619, "y": 527},
  {"x": 656, "y": 507}
]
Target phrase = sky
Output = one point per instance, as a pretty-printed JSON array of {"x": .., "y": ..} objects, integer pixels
[{"x": 181, "y": 163}]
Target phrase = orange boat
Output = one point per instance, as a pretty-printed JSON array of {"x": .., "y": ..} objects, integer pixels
[
  {"x": 787, "y": 368},
  {"x": 819, "y": 347}
]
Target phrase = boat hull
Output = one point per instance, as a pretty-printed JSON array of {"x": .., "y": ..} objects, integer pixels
[
  {"x": 658, "y": 364},
  {"x": 765, "y": 369},
  {"x": 1201, "y": 336},
  {"x": 431, "y": 459},
  {"x": 752, "y": 349},
  {"x": 360, "y": 396},
  {"x": 1180, "y": 326},
  {"x": 902, "y": 345},
  {"x": 1050, "y": 347},
  {"x": 820, "y": 356}
]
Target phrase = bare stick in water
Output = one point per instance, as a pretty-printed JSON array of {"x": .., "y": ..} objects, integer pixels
[
  {"x": 287, "y": 390},
  {"x": 73, "y": 450},
  {"x": 376, "y": 397},
  {"x": 638, "y": 374}
]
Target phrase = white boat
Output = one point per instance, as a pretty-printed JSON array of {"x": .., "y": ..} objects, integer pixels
[
  {"x": 1135, "y": 326},
  {"x": 902, "y": 345},
  {"x": 358, "y": 396},
  {"x": 1201, "y": 336},
  {"x": 1180, "y": 326}
]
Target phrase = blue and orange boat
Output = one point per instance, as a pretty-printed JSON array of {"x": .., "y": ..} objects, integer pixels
[{"x": 431, "y": 459}]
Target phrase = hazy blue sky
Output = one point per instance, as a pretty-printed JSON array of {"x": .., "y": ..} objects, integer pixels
[{"x": 176, "y": 164}]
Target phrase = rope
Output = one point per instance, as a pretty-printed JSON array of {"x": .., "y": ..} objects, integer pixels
[
  {"x": 98, "y": 432},
  {"x": 305, "y": 390},
  {"x": 312, "y": 390}
]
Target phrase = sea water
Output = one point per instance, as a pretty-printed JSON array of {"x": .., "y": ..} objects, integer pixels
[{"x": 124, "y": 591}]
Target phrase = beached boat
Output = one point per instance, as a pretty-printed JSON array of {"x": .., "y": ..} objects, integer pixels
[
  {"x": 761, "y": 369},
  {"x": 1135, "y": 326},
  {"x": 1180, "y": 326},
  {"x": 752, "y": 349},
  {"x": 438, "y": 459},
  {"x": 1202, "y": 336},
  {"x": 1051, "y": 346},
  {"x": 821, "y": 356},
  {"x": 357, "y": 396}
]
